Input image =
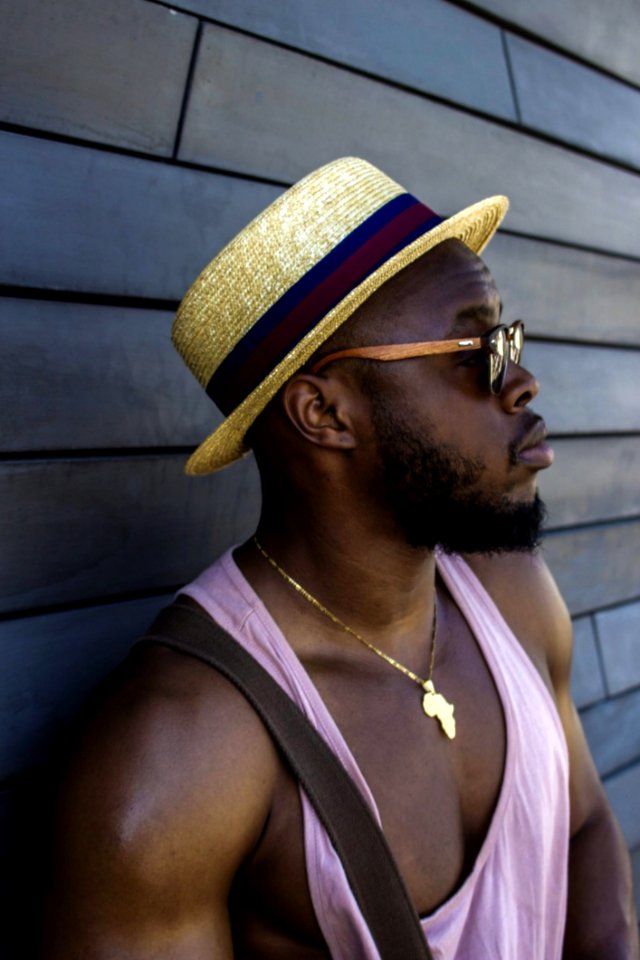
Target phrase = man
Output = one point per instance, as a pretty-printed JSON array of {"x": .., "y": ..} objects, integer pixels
[{"x": 441, "y": 683}]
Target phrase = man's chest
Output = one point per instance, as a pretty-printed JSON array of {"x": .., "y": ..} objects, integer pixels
[{"x": 435, "y": 796}]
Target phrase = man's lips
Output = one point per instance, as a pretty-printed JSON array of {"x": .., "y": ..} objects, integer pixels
[{"x": 534, "y": 451}]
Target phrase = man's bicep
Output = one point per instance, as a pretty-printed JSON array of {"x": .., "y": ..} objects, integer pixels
[
  {"x": 130, "y": 896},
  {"x": 163, "y": 801}
]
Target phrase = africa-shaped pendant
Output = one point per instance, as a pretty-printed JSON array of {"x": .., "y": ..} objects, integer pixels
[{"x": 435, "y": 705}]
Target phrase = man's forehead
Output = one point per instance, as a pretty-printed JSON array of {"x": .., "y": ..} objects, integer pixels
[
  {"x": 450, "y": 286},
  {"x": 443, "y": 270}
]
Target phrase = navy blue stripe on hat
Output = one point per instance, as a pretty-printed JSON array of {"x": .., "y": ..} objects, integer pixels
[{"x": 387, "y": 231}]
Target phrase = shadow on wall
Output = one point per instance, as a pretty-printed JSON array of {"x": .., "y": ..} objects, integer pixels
[
  {"x": 26, "y": 854},
  {"x": 53, "y": 666}
]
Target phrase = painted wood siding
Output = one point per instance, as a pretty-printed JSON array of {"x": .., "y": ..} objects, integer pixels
[{"x": 136, "y": 137}]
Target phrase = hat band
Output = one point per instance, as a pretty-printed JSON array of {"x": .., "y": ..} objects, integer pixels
[{"x": 387, "y": 231}]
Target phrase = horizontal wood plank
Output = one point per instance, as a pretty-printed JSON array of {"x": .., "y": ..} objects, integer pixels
[
  {"x": 623, "y": 790},
  {"x": 88, "y": 528},
  {"x": 563, "y": 292},
  {"x": 605, "y": 35},
  {"x": 587, "y": 683},
  {"x": 619, "y": 634},
  {"x": 592, "y": 479},
  {"x": 586, "y": 389},
  {"x": 596, "y": 567},
  {"x": 426, "y": 44},
  {"x": 93, "y": 528},
  {"x": 613, "y": 731},
  {"x": 247, "y": 91},
  {"x": 113, "y": 72},
  {"x": 148, "y": 230},
  {"x": 141, "y": 247},
  {"x": 51, "y": 663},
  {"x": 575, "y": 103},
  {"x": 86, "y": 376}
]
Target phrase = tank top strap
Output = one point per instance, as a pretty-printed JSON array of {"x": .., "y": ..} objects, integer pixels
[{"x": 503, "y": 652}]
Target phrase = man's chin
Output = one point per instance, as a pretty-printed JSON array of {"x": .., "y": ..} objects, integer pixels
[{"x": 472, "y": 526}]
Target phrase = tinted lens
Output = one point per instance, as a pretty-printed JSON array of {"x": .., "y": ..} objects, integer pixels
[
  {"x": 516, "y": 340},
  {"x": 498, "y": 347}
]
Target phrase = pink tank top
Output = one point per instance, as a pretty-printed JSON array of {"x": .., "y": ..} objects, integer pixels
[{"x": 513, "y": 903}]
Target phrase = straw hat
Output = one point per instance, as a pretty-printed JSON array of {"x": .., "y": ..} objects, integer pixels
[{"x": 287, "y": 281}]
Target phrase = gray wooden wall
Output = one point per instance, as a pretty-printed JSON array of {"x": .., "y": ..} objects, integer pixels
[{"x": 135, "y": 138}]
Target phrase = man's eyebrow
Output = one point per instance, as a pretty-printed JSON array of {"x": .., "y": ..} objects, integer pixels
[{"x": 479, "y": 314}]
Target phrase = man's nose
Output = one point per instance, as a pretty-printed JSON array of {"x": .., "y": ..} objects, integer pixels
[{"x": 520, "y": 387}]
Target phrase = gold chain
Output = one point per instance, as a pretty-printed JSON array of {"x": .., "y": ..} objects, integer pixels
[
  {"x": 316, "y": 603},
  {"x": 433, "y": 703}
]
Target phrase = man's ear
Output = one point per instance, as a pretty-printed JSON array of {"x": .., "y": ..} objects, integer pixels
[{"x": 320, "y": 408}]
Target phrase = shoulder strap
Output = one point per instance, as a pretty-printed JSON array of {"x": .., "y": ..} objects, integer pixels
[{"x": 369, "y": 865}]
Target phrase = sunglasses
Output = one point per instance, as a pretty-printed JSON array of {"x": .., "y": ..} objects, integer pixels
[{"x": 498, "y": 346}]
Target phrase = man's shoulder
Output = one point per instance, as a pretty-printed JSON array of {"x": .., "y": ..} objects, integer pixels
[
  {"x": 165, "y": 795},
  {"x": 519, "y": 571},
  {"x": 168, "y": 745},
  {"x": 161, "y": 695}
]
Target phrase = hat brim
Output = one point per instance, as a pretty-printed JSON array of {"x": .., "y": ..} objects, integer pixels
[{"x": 474, "y": 226}]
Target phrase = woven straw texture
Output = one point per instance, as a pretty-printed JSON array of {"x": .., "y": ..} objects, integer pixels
[{"x": 271, "y": 254}]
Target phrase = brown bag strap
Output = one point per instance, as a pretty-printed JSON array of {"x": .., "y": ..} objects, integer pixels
[{"x": 358, "y": 840}]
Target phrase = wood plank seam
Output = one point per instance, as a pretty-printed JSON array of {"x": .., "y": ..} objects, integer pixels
[
  {"x": 266, "y": 180},
  {"x": 603, "y": 672},
  {"x": 598, "y": 649},
  {"x": 184, "y": 106},
  {"x": 518, "y": 30},
  {"x": 103, "y": 147},
  {"x": 476, "y": 9},
  {"x": 517, "y": 126},
  {"x": 512, "y": 80}
]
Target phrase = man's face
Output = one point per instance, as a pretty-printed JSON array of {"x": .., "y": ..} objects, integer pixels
[{"x": 456, "y": 462}]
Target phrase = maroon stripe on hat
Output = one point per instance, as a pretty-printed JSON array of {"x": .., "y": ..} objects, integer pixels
[{"x": 287, "y": 330}]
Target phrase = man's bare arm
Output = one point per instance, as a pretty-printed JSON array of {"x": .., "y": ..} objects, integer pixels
[
  {"x": 166, "y": 796},
  {"x": 601, "y": 918}
]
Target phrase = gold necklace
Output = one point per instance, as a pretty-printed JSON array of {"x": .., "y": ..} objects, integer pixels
[{"x": 433, "y": 703}]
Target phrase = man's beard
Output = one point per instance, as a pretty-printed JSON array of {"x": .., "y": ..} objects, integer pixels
[{"x": 433, "y": 493}]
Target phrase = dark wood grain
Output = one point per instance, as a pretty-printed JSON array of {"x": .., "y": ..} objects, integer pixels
[
  {"x": 50, "y": 665},
  {"x": 613, "y": 731},
  {"x": 623, "y": 790},
  {"x": 249, "y": 92},
  {"x": 608, "y": 36},
  {"x": 76, "y": 376},
  {"x": 586, "y": 389},
  {"x": 424, "y": 44},
  {"x": 596, "y": 566},
  {"x": 587, "y": 682},
  {"x": 113, "y": 72},
  {"x": 86, "y": 220},
  {"x": 564, "y": 292},
  {"x": 80, "y": 529},
  {"x": 592, "y": 479},
  {"x": 574, "y": 103},
  {"x": 619, "y": 635}
]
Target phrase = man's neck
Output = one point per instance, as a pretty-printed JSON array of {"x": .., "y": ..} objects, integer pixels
[{"x": 366, "y": 575}]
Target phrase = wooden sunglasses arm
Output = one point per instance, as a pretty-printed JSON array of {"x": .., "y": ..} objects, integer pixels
[{"x": 399, "y": 351}]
